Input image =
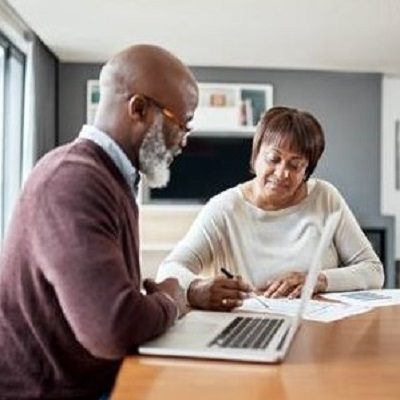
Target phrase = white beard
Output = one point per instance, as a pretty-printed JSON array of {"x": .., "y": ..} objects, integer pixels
[{"x": 154, "y": 157}]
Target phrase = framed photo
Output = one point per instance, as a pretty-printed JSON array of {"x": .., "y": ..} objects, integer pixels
[
  {"x": 92, "y": 99},
  {"x": 231, "y": 107},
  {"x": 255, "y": 101}
]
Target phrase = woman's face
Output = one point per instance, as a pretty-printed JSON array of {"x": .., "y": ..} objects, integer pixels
[{"x": 279, "y": 172}]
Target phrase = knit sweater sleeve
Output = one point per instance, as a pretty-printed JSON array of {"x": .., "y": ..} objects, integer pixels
[
  {"x": 76, "y": 242},
  {"x": 360, "y": 267}
]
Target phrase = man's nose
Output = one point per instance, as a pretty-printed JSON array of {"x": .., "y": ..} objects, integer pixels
[
  {"x": 184, "y": 139},
  {"x": 183, "y": 142}
]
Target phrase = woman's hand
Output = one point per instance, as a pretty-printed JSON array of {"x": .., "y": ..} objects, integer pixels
[
  {"x": 219, "y": 293},
  {"x": 291, "y": 285}
]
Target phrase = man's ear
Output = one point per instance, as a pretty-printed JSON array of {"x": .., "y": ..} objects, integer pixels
[{"x": 137, "y": 106}]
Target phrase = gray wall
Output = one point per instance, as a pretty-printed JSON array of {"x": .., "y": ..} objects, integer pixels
[
  {"x": 347, "y": 104},
  {"x": 72, "y": 98}
]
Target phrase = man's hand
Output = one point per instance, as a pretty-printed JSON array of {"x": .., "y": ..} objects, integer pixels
[
  {"x": 219, "y": 293},
  {"x": 171, "y": 288},
  {"x": 291, "y": 285}
]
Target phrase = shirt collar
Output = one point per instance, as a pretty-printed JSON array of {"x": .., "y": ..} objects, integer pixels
[{"x": 114, "y": 151}]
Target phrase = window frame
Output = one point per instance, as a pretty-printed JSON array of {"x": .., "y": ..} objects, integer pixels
[{"x": 11, "y": 54}]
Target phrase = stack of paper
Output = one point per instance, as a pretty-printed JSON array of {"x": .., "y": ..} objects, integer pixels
[
  {"x": 322, "y": 311},
  {"x": 372, "y": 298}
]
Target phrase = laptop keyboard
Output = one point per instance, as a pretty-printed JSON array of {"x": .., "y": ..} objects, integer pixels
[{"x": 247, "y": 333}]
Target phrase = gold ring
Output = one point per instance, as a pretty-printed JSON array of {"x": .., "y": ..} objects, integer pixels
[{"x": 224, "y": 302}]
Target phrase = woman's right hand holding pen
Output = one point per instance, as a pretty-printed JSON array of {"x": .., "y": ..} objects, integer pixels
[{"x": 221, "y": 293}]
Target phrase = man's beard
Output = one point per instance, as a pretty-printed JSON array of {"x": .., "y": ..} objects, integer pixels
[{"x": 154, "y": 157}]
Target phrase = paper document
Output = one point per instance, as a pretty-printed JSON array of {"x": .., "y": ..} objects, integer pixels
[
  {"x": 322, "y": 311},
  {"x": 372, "y": 298}
]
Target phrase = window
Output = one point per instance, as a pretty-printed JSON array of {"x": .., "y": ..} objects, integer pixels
[
  {"x": 2, "y": 68},
  {"x": 12, "y": 77}
]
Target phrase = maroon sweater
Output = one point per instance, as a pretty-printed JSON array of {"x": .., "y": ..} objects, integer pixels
[{"x": 70, "y": 301}]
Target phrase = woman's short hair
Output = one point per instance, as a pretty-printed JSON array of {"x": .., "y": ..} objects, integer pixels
[{"x": 299, "y": 129}]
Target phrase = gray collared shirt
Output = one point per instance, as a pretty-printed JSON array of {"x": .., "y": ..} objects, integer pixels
[{"x": 117, "y": 155}]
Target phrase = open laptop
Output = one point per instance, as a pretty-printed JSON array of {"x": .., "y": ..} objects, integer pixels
[{"x": 242, "y": 336}]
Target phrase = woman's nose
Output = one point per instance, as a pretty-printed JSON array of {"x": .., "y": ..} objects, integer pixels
[{"x": 281, "y": 171}]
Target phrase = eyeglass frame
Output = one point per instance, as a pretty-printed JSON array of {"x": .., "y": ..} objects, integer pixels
[{"x": 186, "y": 130}]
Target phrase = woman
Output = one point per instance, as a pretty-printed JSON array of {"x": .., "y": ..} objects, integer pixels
[{"x": 265, "y": 231}]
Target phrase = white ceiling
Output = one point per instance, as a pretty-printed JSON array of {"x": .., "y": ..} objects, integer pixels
[{"x": 349, "y": 35}]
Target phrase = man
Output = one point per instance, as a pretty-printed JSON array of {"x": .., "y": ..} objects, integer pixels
[{"x": 70, "y": 300}]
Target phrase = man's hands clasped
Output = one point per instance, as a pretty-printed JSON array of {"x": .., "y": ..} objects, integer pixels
[{"x": 171, "y": 288}]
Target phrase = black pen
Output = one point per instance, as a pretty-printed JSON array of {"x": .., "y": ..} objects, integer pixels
[
  {"x": 252, "y": 294},
  {"x": 227, "y": 273}
]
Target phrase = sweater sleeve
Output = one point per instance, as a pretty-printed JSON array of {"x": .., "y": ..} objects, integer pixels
[
  {"x": 76, "y": 242},
  {"x": 195, "y": 254},
  {"x": 360, "y": 267}
]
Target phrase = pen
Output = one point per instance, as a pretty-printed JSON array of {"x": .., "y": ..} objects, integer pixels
[
  {"x": 252, "y": 294},
  {"x": 227, "y": 273}
]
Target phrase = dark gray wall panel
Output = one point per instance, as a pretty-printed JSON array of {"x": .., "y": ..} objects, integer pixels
[{"x": 72, "y": 98}]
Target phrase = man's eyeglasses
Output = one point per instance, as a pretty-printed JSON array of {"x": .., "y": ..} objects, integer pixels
[
  {"x": 184, "y": 128},
  {"x": 169, "y": 114}
]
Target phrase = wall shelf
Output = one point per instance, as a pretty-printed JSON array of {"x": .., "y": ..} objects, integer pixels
[{"x": 231, "y": 108}]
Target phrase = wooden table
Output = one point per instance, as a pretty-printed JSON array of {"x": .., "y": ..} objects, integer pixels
[{"x": 356, "y": 358}]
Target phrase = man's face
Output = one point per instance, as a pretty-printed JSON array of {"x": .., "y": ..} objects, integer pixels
[
  {"x": 154, "y": 156},
  {"x": 166, "y": 138}
]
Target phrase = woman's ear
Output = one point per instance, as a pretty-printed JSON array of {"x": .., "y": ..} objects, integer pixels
[{"x": 137, "y": 106}]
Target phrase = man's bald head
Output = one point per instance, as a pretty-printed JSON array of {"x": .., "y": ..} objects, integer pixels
[
  {"x": 147, "y": 97},
  {"x": 153, "y": 72}
]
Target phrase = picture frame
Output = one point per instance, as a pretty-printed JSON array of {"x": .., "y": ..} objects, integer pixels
[
  {"x": 92, "y": 99},
  {"x": 231, "y": 108}
]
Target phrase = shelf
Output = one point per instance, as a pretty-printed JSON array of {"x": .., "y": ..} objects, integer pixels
[{"x": 231, "y": 108}]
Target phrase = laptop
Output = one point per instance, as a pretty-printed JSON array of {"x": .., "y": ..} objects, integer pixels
[{"x": 241, "y": 336}]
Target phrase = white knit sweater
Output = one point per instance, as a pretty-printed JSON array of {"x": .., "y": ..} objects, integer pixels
[{"x": 262, "y": 245}]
